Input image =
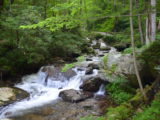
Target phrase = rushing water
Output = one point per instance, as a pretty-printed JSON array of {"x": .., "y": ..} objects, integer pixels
[{"x": 42, "y": 92}]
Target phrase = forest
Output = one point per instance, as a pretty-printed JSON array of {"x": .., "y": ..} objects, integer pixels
[{"x": 79, "y": 59}]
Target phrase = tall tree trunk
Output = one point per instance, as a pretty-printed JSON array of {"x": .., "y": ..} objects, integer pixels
[
  {"x": 153, "y": 20},
  {"x": 158, "y": 26},
  {"x": 140, "y": 29},
  {"x": 140, "y": 23},
  {"x": 134, "y": 53},
  {"x": 147, "y": 31}
]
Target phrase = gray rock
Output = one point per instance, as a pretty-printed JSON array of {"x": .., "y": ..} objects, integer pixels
[
  {"x": 74, "y": 95},
  {"x": 94, "y": 65},
  {"x": 55, "y": 72},
  {"x": 93, "y": 83},
  {"x": 123, "y": 64},
  {"x": 89, "y": 70},
  {"x": 9, "y": 95}
]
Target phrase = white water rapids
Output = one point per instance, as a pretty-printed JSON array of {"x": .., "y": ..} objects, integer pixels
[{"x": 42, "y": 93}]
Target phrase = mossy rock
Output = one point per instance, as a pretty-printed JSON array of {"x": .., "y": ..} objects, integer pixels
[{"x": 9, "y": 95}]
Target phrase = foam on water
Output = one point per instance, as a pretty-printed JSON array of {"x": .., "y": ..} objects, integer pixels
[{"x": 40, "y": 92}]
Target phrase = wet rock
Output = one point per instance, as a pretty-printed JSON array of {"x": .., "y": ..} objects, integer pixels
[
  {"x": 69, "y": 73},
  {"x": 89, "y": 59},
  {"x": 89, "y": 70},
  {"x": 9, "y": 95},
  {"x": 94, "y": 65},
  {"x": 74, "y": 95},
  {"x": 80, "y": 69},
  {"x": 55, "y": 72},
  {"x": 93, "y": 83}
]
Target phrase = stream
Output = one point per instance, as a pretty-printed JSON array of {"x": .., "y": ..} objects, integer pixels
[{"x": 44, "y": 93}]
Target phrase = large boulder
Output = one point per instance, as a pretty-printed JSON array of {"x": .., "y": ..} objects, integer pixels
[
  {"x": 9, "y": 95},
  {"x": 123, "y": 64},
  {"x": 93, "y": 83},
  {"x": 72, "y": 95}
]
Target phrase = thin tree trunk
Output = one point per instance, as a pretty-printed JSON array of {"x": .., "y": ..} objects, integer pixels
[
  {"x": 147, "y": 31},
  {"x": 134, "y": 53},
  {"x": 159, "y": 25},
  {"x": 140, "y": 29},
  {"x": 153, "y": 20}
]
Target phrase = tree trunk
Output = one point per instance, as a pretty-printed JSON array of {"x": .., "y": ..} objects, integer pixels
[
  {"x": 153, "y": 20},
  {"x": 159, "y": 25},
  {"x": 134, "y": 53},
  {"x": 147, "y": 31},
  {"x": 140, "y": 29}
]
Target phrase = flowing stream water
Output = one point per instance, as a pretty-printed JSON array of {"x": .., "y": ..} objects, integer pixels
[{"x": 42, "y": 93}]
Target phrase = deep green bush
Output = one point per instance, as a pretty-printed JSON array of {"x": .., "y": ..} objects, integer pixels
[
  {"x": 119, "y": 90},
  {"x": 121, "y": 112},
  {"x": 151, "y": 112}
]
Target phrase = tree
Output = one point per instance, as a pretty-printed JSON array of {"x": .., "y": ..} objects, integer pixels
[
  {"x": 134, "y": 53},
  {"x": 153, "y": 20}
]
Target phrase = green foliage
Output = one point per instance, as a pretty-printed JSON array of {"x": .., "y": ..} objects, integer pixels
[
  {"x": 151, "y": 56},
  {"x": 128, "y": 51},
  {"x": 92, "y": 118},
  {"x": 104, "y": 60},
  {"x": 119, "y": 90},
  {"x": 69, "y": 66},
  {"x": 151, "y": 112},
  {"x": 121, "y": 112}
]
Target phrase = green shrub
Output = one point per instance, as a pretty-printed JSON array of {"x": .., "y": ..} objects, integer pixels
[
  {"x": 71, "y": 65},
  {"x": 92, "y": 118},
  {"x": 119, "y": 90},
  {"x": 151, "y": 112},
  {"x": 110, "y": 39},
  {"x": 104, "y": 60},
  {"x": 121, "y": 112}
]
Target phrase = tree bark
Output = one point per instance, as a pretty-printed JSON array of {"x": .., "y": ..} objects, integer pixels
[
  {"x": 134, "y": 53},
  {"x": 140, "y": 29},
  {"x": 159, "y": 25},
  {"x": 147, "y": 31},
  {"x": 153, "y": 20}
]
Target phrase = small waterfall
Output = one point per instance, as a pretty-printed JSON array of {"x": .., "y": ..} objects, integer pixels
[
  {"x": 101, "y": 91},
  {"x": 44, "y": 89},
  {"x": 40, "y": 92}
]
